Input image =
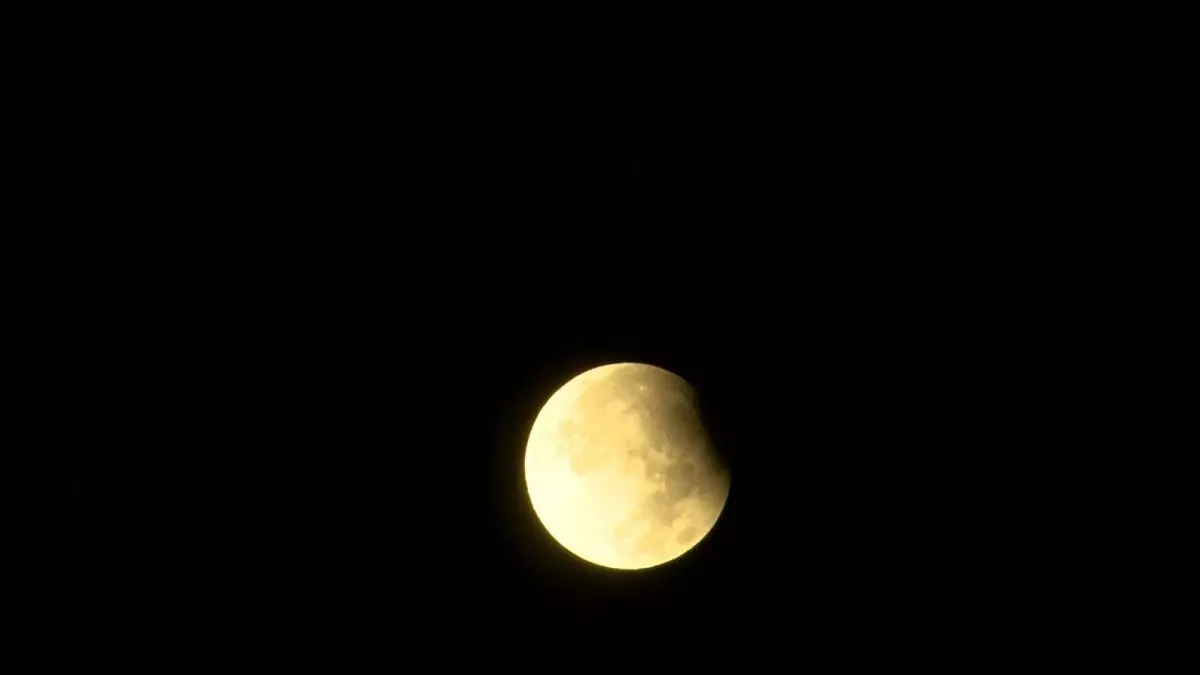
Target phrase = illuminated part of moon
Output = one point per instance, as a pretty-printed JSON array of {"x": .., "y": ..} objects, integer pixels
[{"x": 620, "y": 470}]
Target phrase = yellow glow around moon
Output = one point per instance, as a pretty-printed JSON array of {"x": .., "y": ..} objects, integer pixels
[{"x": 620, "y": 470}]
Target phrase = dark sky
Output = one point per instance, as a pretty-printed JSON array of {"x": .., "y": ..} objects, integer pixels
[
  {"x": 367, "y": 248},
  {"x": 897, "y": 503}
]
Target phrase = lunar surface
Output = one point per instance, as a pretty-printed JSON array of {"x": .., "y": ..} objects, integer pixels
[{"x": 620, "y": 469}]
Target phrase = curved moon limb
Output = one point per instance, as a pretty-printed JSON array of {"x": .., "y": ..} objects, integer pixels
[{"x": 620, "y": 470}]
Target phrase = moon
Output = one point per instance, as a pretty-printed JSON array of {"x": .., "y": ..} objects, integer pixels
[{"x": 620, "y": 469}]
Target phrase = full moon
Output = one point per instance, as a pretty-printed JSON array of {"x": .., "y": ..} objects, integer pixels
[{"x": 620, "y": 469}]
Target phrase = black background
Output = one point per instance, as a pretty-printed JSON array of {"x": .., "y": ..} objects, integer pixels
[
  {"x": 359, "y": 251},
  {"x": 898, "y": 503}
]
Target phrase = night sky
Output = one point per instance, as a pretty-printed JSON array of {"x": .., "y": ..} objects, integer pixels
[
  {"x": 376, "y": 244},
  {"x": 898, "y": 503}
]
